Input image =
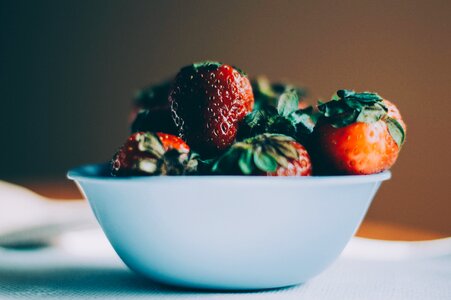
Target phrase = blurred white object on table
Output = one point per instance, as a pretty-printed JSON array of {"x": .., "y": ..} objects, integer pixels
[{"x": 27, "y": 218}]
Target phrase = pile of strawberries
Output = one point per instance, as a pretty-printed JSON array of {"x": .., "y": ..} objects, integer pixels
[{"x": 212, "y": 120}]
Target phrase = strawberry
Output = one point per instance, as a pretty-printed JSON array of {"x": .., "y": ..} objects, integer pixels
[
  {"x": 265, "y": 154},
  {"x": 208, "y": 100},
  {"x": 170, "y": 141},
  {"x": 358, "y": 133},
  {"x": 152, "y": 111},
  {"x": 146, "y": 153}
]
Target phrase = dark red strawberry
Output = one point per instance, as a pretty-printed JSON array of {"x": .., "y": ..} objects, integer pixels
[
  {"x": 265, "y": 154},
  {"x": 208, "y": 100},
  {"x": 146, "y": 153},
  {"x": 358, "y": 133}
]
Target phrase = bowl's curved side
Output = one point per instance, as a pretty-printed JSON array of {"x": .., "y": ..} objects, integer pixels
[{"x": 249, "y": 235}]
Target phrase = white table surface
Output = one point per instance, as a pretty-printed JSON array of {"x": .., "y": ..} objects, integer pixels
[{"x": 83, "y": 266}]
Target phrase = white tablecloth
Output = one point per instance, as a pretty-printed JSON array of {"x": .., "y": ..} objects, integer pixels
[{"x": 83, "y": 266}]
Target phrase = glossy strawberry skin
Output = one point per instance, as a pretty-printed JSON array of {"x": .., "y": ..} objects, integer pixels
[
  {"x": 299, "y": 167},
  {"x": 357, "y": 149},
  {"x": 170, "y": 141},
  {"x": 208, "y": 100}
]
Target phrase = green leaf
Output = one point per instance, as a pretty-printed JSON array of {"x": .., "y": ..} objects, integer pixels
[
  {"x": 261, "y": 116},
  {"x": 279, "y": 138},
  {"x": 367, "y": 97},
  {"x": 207, "y": 64},
  {"x": 344, "y": 119},
  {"x": 192, "y": 164},
  {"x": 303, "y": 121},
  {"x": 150, "y": 143},
  {"x": 353, "y": 103},
  {"x": 288, "y": 102},
  {"x": 288, "y": 150},
  {"x": 264, "y": 87},
  {"x": 228, "y": 163},
  {"x": 345, "y": 93},
  {"x": 224, "y": 164},
  {"x": 281, "y": 160},
  {"x": 263, "y": 93},
  {"x": 370, "y": 115},
  {"x": 281, "y": 88},
  {"x": 352, "y": 107},
  {"x": 245, "y": 162},
  {"x": 256, "y": 122},
  {"x": 396, "y": 131},
  {"x": 257, "y": 155},
  {"x": 264, "y": 161},
  {"x": 281, "y": 125}
]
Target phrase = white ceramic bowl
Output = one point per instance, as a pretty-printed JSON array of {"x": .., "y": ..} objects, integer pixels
[{"x": 228, "y": 232}]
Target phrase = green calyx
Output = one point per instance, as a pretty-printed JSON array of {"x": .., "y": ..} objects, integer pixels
[
  {"x": 198, "y": 66},
  {"x": 254, "y": 156},
  {"x": 153, "y": 159},
  {"x": 267, "y": 93},
  {"x": 348, "y": 107},
  {"x": 396, "y": 131},
  {"x": 206, "y": 64},
  {"x": 277, "y": 111},
  {"x": 179, "y": 163},
  {"x": 150, "y": 144}
]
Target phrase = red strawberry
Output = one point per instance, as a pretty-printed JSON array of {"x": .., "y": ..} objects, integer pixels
[
  {"x": 146, "y": 153},
  {"x": 265, "y": 154},
  {"x": 208, "y": 100},
  {"x": 301, "y": 166},
  {"x": 359, "y": 133},
  {"x": 170, "y": 141}
]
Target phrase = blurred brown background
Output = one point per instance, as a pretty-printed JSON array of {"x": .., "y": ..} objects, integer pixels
[{"x": 68, "y": 71}]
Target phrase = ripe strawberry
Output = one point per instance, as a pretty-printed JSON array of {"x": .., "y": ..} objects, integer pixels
[
  {"x": 208, "y": 100},
  {"x": 170, "y": 141},
  {"x": 146, "y": 153},
  {"x": 265, "y": 154},
  {"x": 359, "y": 133}
]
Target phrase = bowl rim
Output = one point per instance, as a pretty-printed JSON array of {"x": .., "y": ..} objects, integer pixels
[{"x": 92, "y": 173}]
